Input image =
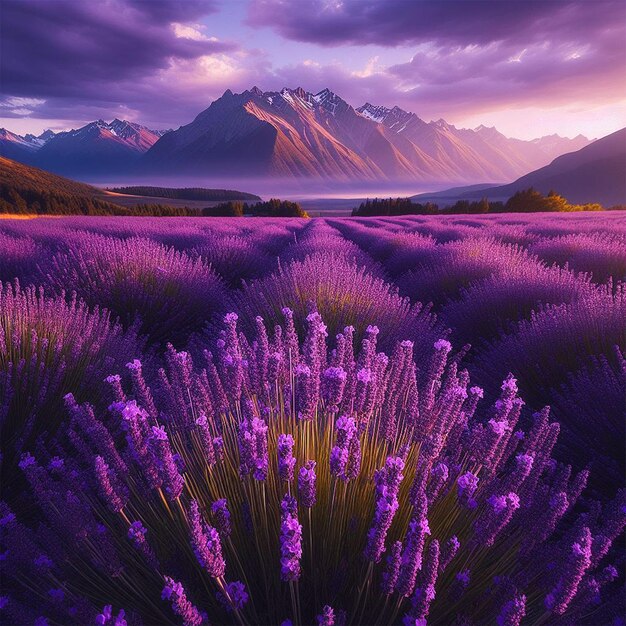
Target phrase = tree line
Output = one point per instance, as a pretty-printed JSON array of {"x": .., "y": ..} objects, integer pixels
[
  {"x": 524, "y": 201},
  {"x": 270, "y": 208},
  {"x": 24, "y": 201},
  {"x": 186, "y": 193}
]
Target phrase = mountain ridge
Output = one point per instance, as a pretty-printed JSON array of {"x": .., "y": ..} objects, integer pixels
[
  {"x": 299, "y": 133},
  {"x": 291, "y": 134},
  {"x": 594, "y": 173}
]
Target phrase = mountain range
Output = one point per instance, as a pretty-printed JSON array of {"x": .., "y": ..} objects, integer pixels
[
  {"x": 97, "y": 147},
  {"x": 595, "y": 173},
  {"x": 293, "y": 133}
]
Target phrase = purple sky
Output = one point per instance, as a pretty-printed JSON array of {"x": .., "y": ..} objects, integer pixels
[{"x": 530, "y": 67}]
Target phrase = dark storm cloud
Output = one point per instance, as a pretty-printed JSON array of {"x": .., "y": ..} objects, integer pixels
[
  {"x": 83, "y": 49},
  {"x": 449, "y": 22}
]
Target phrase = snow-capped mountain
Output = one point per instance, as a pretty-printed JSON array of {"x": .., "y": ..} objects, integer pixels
[
  {"x": 98, "y": 147},
  {"x": 298, "y": 133},
  {"x": 289, "y": 134},
  {"x": 22, "y": 147}
]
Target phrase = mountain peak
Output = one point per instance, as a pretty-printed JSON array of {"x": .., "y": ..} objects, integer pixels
[
  {"x": 325, "y": 93},
  {"x": 395, "y": 119},
  {"x": 374, "y": 113},
  {"x": 330, "y": 102}
]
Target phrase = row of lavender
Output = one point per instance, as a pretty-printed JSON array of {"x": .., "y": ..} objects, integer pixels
[{"x": 294, "y": 462}]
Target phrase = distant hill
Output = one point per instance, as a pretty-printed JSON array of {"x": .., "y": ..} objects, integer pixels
[
  {"x": 187, "y": 193},
  {"x": 27, "y": 190},
  {"x": 23, "y": 149},
  {"x": 595, "y": 173}
]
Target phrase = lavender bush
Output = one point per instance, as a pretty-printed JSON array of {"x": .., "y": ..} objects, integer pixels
[
  {"x": 411, "y": 502},
  {"x": 50, "y": 346},
  {"x": 19, "y": 257},
  {"x": 167, "y": 291},
  {"x": 343, "y": 293}
]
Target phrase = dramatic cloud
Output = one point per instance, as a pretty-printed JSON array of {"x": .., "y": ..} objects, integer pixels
[
  {"x": 87, "y": 51},
  {"x": 449, "y": 22},
  {"x": 161, "y": 62},
  {"x": 466, "y": 57}
]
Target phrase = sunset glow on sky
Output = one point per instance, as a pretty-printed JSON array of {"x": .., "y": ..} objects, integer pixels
[{"x": 530, "y": 68}]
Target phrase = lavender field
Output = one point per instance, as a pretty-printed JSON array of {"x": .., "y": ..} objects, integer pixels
[{"x": 414, "y": 420}]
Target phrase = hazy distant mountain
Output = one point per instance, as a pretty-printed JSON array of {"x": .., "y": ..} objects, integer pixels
[
  {"x": 479, "y": 154},
  {"x": 22, "y": 148},
  {"x": 297, "y": 133},
  {"x": 98, "y": 147},
  {"x": 595, "y": 173}
]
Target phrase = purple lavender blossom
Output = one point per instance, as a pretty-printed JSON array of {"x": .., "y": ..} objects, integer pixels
[
  {"x": 106, "y": 480},
  {"x": 572, "y": 572},
  {"x": 253, "y": 448},
  {"x": 425, "y": 591},
  {"x": 513, "y": 611},
  {"x": 221, "y": 514},
  {"x": 334, "y": 384},
  {"x": 172, "y": 480},
  {"x": 235, "y": 596},
  {"x": 448, "y": 552},
  {"x": 290, "y": 540},
  {"x": 137, "y": 534},
  {"x": 286, "y": 459},
  {"x": 340, "y": 454},
  {"x": 206, "y": 543},
  {"x": 306, "y": 484},
  {"x": 467, "y": 484},
  {"x": 390, "y": 576},
  {"x": 387, "y": 485},
  {"x": 175, "y": 593},
  {"x": 327, "y": 618},
  {"x": 414, "y": 546}
]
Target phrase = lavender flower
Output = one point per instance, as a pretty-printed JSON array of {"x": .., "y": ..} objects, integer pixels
[
  {"x": 253, "y": 448},
  {"x": 573, "y": 570},
  {"x": 390, "y": 576},
  {"x": 340, "y": 454},
  {"x": 513, "y": 611},
  {"x": 327, "y": 618},
  {"x": 235, "y": 596},
  {"x": 106, "y": 479},
  {"x": 414, "y": 546},
  {"x": 221, "y": 514},
  {"x": 425, "y": 591},
  {"x": 175, "y": 593},
  {"x": 387, "y": 485},
  {"x": 290, "y": 540},
  {"x": 137, "y": 534},
  {"x": 172, "y": 480},
  {"x": 206, "y": 543},
  {"x": 449, "y": 551},
  {"x": 306, "y": 484},
  {"x": 467, "y": 485},
  {"x": 286, "y": 460}
]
